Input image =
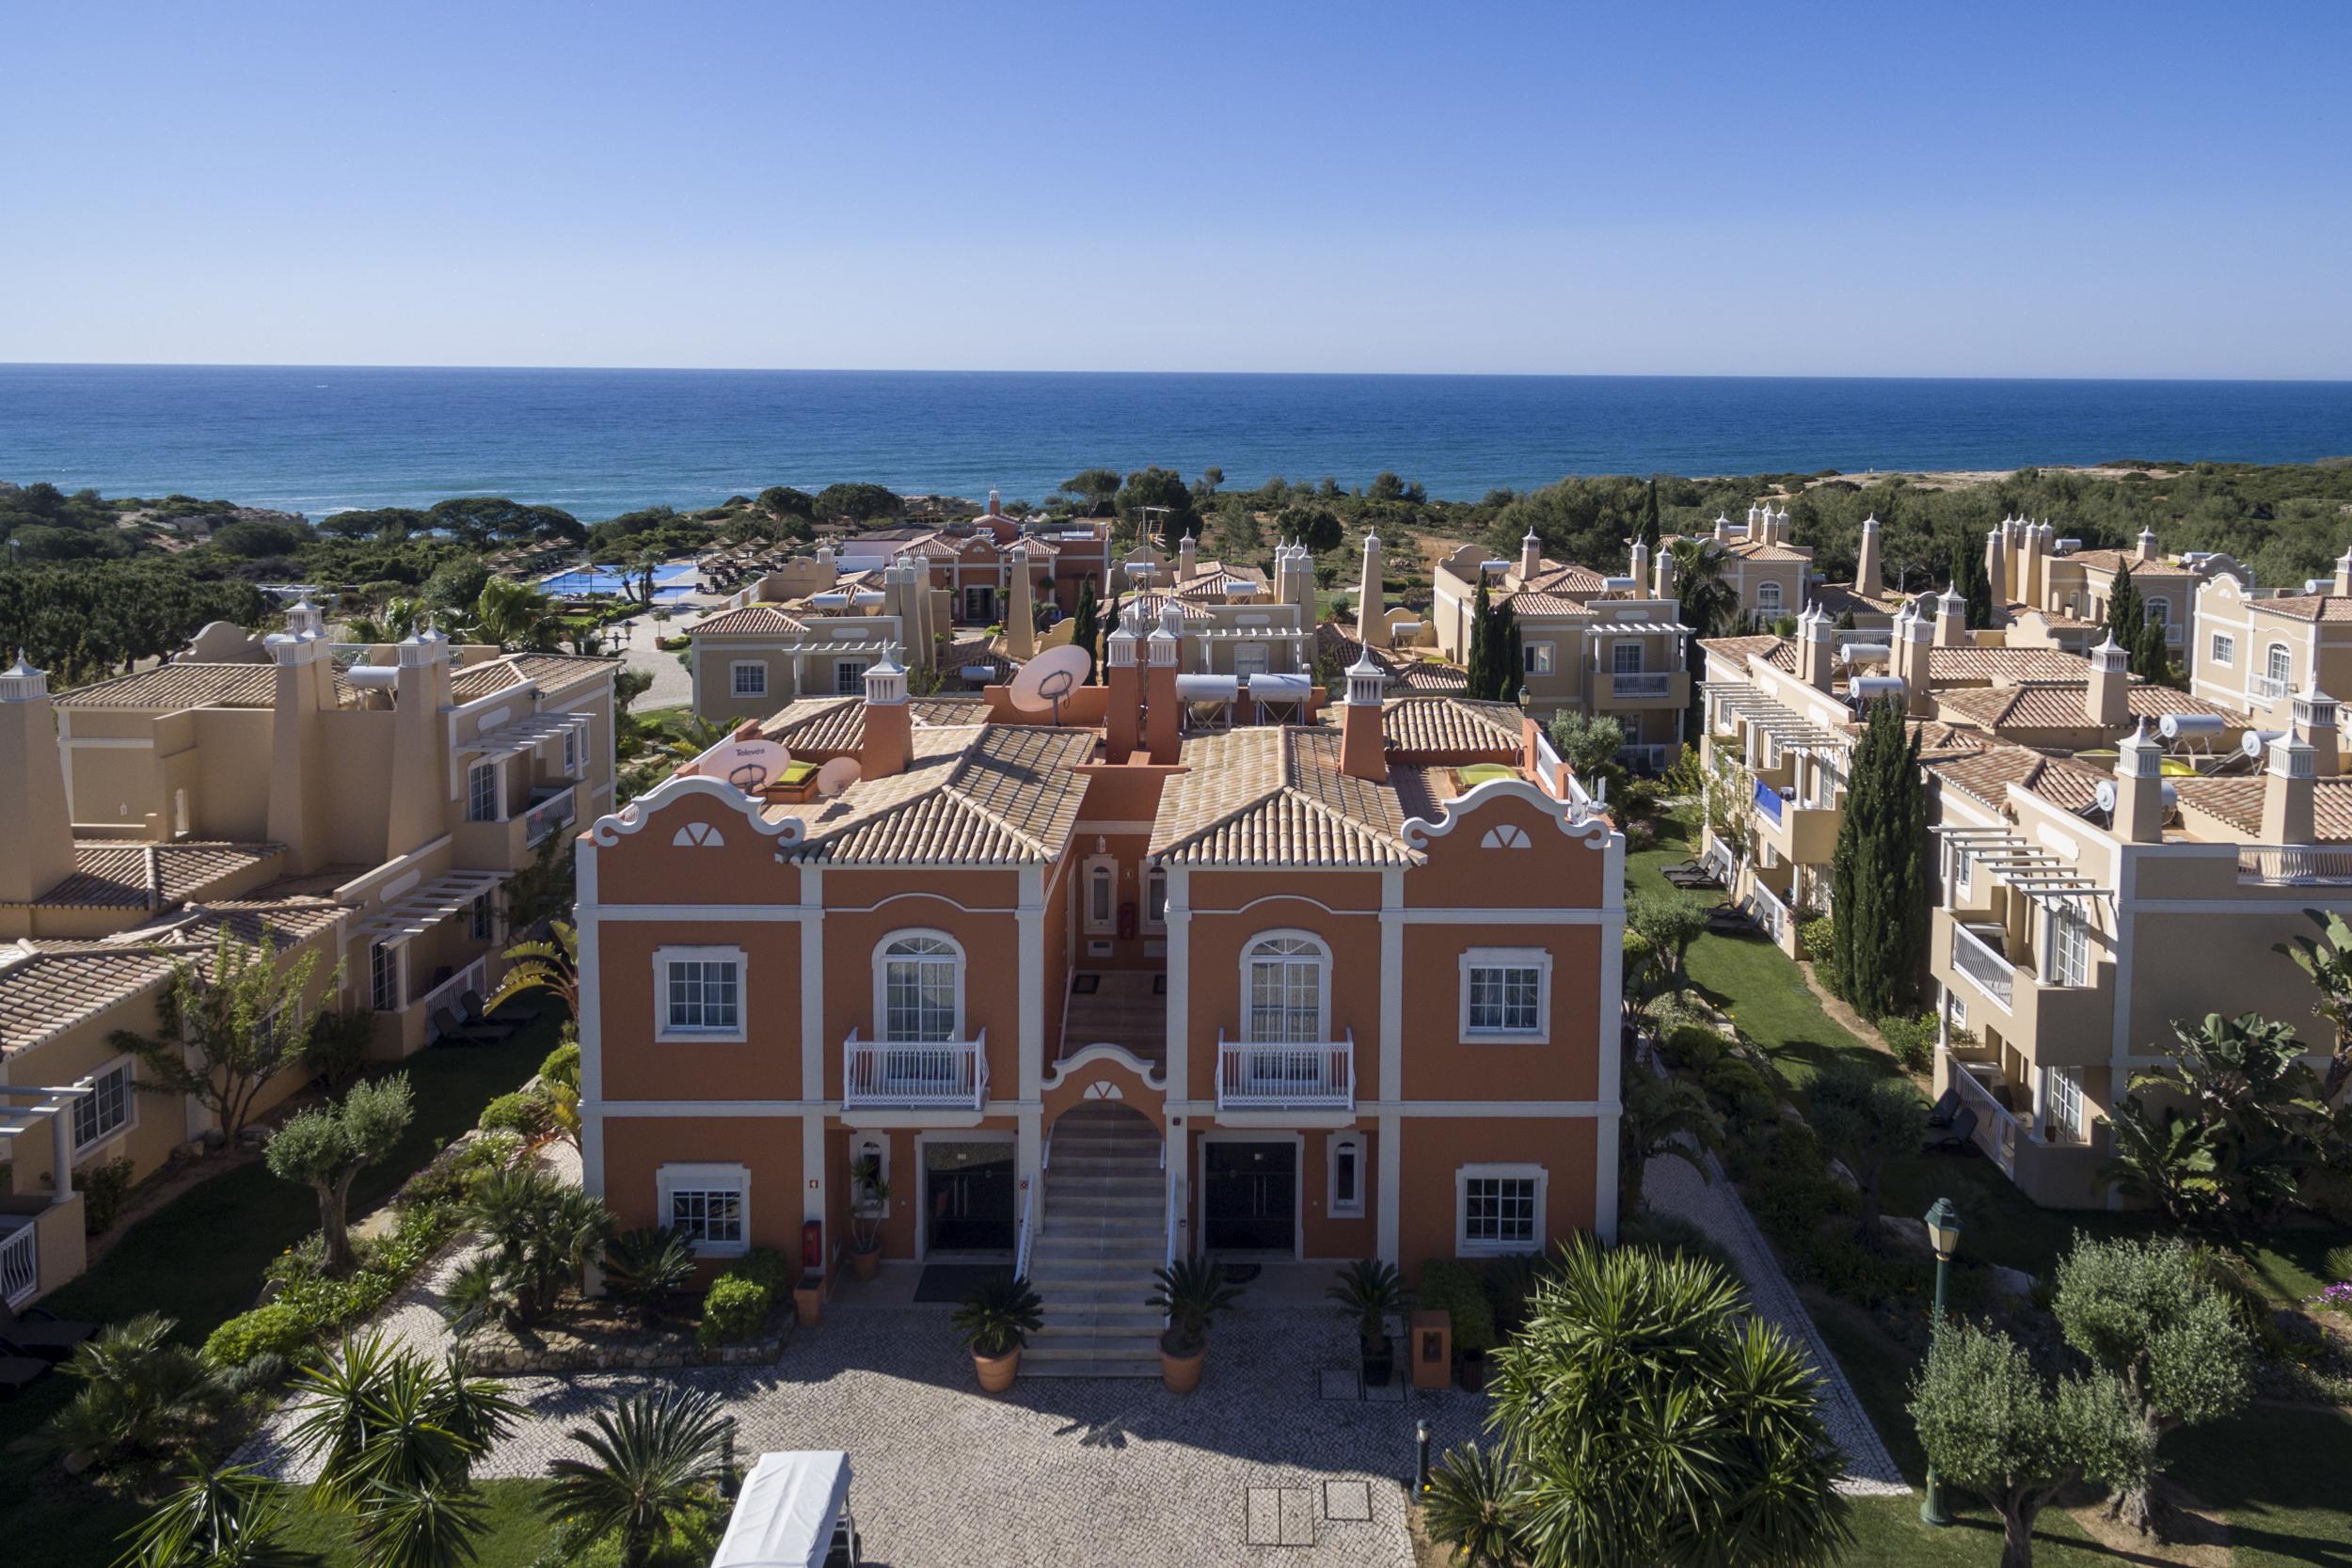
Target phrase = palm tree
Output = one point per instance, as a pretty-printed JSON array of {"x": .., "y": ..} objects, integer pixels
[
  {"x": 397, "y": 619},
  {"x": 653, "y": 1461},
  {"x": 143, "y": 1396},
  {"x": 1469, "y": 1506},
  {"x": 226, "y": 1518},
  {"x": 395, "y": 1437},
  {"x": 539, "y": 965},
  {"x": 646, "y": 1267},
  {"x": 1648, "y": 1418},
  {"x": 1661, "y": 1116},
  {"x": 515, "y": 615}
]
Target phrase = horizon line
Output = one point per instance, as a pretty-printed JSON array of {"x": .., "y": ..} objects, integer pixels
[{"x": 1429, "y": 376}]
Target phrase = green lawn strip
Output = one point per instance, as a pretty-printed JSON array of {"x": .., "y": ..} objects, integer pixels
[
  {"x": 1888, "y": 1534},
  {"x": 513, "y": 1535},
  {"x": 199, "y": 1260},
  {"x": 2278, "y": 1477}
]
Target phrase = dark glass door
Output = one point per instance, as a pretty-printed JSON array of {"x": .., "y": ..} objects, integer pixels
[
  {"x": 1249, "y": 1196},
  {"x": 970, "y": 1190}
]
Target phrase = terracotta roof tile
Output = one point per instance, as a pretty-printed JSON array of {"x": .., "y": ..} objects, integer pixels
[
  {"x": 1451, "y": 728},
  {"x": 1969, "y": 663},
  {"x": 1986, "y": 774},
  {"x": 2060, "y": 705},
  {"x": 1274, "y": 795},
  {"x": 979, "y": 793},
  {"x": 115, "y": 875},
  {"x": 751, "y": 620},
  {"x": 2238, "y": 802},
  {"x": 481, "y": 680},
  {"x": 2306, "y": 607},
  {"x": 1531, "y": 602},
  {"x": 1333, "y": 640},
  {"x": 1778, "y": 652},
  {"x": 1554, "y": 576},
  {"x": 554, "y": 671},
  {"x": 2108, "y": 561},
  {"x": 171, "y": 687}
]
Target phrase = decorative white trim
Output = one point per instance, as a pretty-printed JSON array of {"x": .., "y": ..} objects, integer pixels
[
  {"x": 663, "y": 1030},
  {"x": 1593, "y": 828},
  {"x": 1332, "y": 1206},
  {"x": 632, "y": 818},
  {"x": 1463, "y": 1245},
  {"x": 1093, "y": 866},
  {"x": 1537, "y": 958},
  {"x": 1119, "y": 1055},
  {"x": 672, "y": 1179},
  {"x": 1320, "y": 957}
]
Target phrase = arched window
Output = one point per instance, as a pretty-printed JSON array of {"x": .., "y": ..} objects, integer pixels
[
  {"x": 919, "y": 984},
  {"x": 1768, "y": 595},
  {"x": 2280, "y": 666},
  {"x": 2159, "y": 611},
  {"x": 1284, "y": 990},
  {"x": 1102, "y": 893},
  {"x": 1346, "y": 1152}
]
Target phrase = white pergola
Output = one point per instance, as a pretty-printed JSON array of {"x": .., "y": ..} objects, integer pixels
[
  {"x": 1788, "y": 732},
  {"x": 531, "y": 731},
  {"x": 2019, "y": 864},
  {"x": 426, "y": 906},
  {"x": 26, "y": 1106}
]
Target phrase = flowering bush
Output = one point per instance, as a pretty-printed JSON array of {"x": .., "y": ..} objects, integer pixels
[{"x": 2336, "y": 1298}]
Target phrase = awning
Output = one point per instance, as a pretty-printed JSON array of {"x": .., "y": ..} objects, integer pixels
[
  {"x": 2015, "y": 862},
  {"x": 785, "y": 1517},
  {"x": 426, "y": 906},
  {"x": 523, "y": 734},
  {"x": 1789, "y": 732}
]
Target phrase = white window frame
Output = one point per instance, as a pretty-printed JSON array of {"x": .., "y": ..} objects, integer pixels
[
  {"x": 128, "y": 1069},
  {"x": 1617, "y": 651},
  {"x": 1538, "y": 658},
  {"x": 2223, "y": 649},
  {"x": 1768, "y": 597},
  {"x": 571, "y": 754},
  {"x": 1964, "y": 870},
  {"x": 1956, "y": 1010},
  {"x": 882, "y": 959},
  {"x": 1334, "y": 1205},
  {"x": 1464, "y": 1175},
  {"x": 1099, "y": 871},
  {"x": 1535, "y": 958},
  {"x": 1155, "y": 898},
  {"x": 670, "y": 1181},
  {"x": 1318, "y": 956},
  {"x": 1252, "y": 659},
  {"x": 712, "y": 1034},
  {"x": 2070, "y": 961},
  {"x": 481, "y": 918},
  {"x": 849, "y": 677},
  {"x": 482, "y": 793},
  {"x": 384, "y": 967},
  {"x": 2159, "y": 609},
  {"x": 737, "y": 687},
  {"x": 2279, "y": 664},
  {"x": 2062, "y": 1104}
]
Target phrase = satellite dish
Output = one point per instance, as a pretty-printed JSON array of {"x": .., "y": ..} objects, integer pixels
[
  {"x": 836, "y": 776},
  {"x": 1045, "y": 680},
  {"x": 749, "y": 765}
]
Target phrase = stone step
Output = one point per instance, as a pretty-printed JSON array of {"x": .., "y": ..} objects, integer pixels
[
  {"x": 1149, "y": 1250},
  {"x": 1149, "y": 1204},
  {"x": 1120, "y": 1322},
  {"x": 1149, "y": 1368},
  {"x": 1084, "y": 1282},
  {"x": 1060, "y": 1224},
  {"x": 1099, "y": 1167},
  {"x": 1092, "y": 1347}
]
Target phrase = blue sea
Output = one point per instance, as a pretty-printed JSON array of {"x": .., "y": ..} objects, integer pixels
[{"x": 601, "y": 442}]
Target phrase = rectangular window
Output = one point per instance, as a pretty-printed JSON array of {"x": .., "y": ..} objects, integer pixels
[
  {"x": 107, "y": 1109},
  {"x": 750, "y": 679},
  {"x": 1347, "y": 1174},
  {"x": 1961, "y": 870},
  {"x": 2224, "y": 648},
  {"x": 482, "y": 792},
  {"x": 704, "y": 996},
  {"x": 483, "y": 917},
  {"x": 1251, "y": 658},
  {"x": 1503, "y": 999},
  {"x": 571, "y": 754},
  {"x": 849, "y": 677},
  {"x": 2062, "y": 1104},
  {"x": 382, "y": 978},
  {"x": 1536, "y": 658},
  {"x": 708, "y": 1216},
  {"x": 1155, "y": 898},
  {"x": 1626, "y": 659},
  {"x": 1500, "y": 1208},
  {"x": 2070, "y": 946}
]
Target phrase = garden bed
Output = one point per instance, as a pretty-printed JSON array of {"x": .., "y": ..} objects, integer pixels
[{"x": 596, "y": 1336}]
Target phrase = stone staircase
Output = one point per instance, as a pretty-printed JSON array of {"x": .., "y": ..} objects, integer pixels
[{"x": 1100, "y": 1232}]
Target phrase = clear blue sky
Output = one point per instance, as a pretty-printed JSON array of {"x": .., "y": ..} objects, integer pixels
[{"x": 2044, "y": 189}]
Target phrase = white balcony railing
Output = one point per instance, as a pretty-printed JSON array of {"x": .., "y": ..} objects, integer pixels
[
  {"x": 2270, "y": 690},
  {"x": 451, "y": 992},
  {"x": 1769, "y": 911},
  {"x": 1992, "y": 973},
  {"x": 555, "y": 811},
  {"x": 1654, "y": 683},
  {"x": 1305, "y": 1075},
  {"x": 19, "y": 1265},
  {"x": 2292, "y": 865},
  {"x": 915, "y": 1074},
  {"x": 1998, "y": 1132}
]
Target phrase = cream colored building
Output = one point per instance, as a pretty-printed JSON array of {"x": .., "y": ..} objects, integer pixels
[
  {"x": 2256, "y": 653},
  {"x": 2061, "y": 593},
  {"x": 364, "y": 804}
]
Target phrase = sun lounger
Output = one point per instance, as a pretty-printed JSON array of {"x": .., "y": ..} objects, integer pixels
[
  {"x": 452, "y": 1030},
  {"x": 1960, "y": 1134},
  {"x": 17, "y": 1371},
  {"x": 44, "y": 1334},
  {"x": 1944, "y": 1109},
  {"x": 474, "y": 1019}
]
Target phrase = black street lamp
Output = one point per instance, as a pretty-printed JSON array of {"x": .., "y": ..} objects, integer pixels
[{"x": 1943, "y": 1222}]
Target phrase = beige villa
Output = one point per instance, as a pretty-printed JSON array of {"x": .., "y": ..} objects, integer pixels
[{"x": 364, "y": 804}]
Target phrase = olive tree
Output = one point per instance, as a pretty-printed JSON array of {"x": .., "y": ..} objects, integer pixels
[
  {"x": 2149, "y": 1313},
  {"x": 328, "y": 1147},
  {"x": 228, "y": 1027},
  {"x": 1866, "y": 1118}
]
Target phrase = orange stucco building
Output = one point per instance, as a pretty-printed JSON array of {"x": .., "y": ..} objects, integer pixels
[{"x": 1153, "y": 982}]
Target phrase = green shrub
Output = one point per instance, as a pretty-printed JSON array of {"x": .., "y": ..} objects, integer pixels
[
  {"x": 280, "y": 1329},
  {"x": 1814, "y": 939},
  {"x": 1912, "y": 1040},
  {"x": 1456, "y": 1288},
  {"x": 562, "y": 1064},
  {"x": 1738, "y": 1090},
  {"x": 733, "y": 1309},
  {"x": 523, "y": 1112},
  {"x": 1791, "y": 1204},
  {"x": 1674, "y": 1012},
  {"x": 1692, "y": 1047},
  {"x": 765, "y": 1266},
  {"x": 2337, "y": 1264},
  {"x": 1846, "y": 1269},
  {"x": 104, "y": 1186},
  {"x": 1640, "y": 837}
]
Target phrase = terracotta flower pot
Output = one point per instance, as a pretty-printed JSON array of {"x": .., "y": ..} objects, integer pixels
[
  {"x": 1181, "y": 1374},
  {"x": 997, "y": 1370},
  {"x": 865, "y": 1264},
  {"x": 808, "y": 1303}
]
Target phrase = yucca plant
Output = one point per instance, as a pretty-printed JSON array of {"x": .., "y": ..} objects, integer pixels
[
  {"x": 653, "y": 1462},
  {"x": 644, "y": 1268},
  {"x": 1191, "y": 1291},
  {"x": 227, "y": 1518},
  {"x": 143, "y": 1396},
  {"x": 1469, "y": 1506}
]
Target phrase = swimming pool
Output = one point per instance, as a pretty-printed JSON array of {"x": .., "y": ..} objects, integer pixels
[{"x": 668, "y": 581}]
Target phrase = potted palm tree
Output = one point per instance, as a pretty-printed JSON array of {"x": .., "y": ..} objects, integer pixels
[
  {"x": 1370, "y": 1291},
  {"x": 869, "y": 1201},
  {"x": 1191, "y": 1291},
  {"x": 994, "y": 1323}
]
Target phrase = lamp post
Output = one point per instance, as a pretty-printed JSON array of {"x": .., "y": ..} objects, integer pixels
[{"x": 1943, "y": 1222}]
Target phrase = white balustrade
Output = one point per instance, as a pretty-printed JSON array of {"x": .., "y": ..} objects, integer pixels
[
  {"x": 449, "y": 994},
  {"x": 1654, "y": 683},
  {"x": 2292, "y": 865},
  {"x": 19, "y": 1265},
  {"x": 915, "y": 1074},
  {"x": 1989, "y": 971},
  {"x": 1289, "y": 1075},
  {"x": 1998, "y": 1132}
]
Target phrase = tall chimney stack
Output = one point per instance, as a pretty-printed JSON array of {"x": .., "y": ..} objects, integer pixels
[
  {"x": 1364, "y": 754},
  {"x": 1021, "y": 620},
  {"x": 1162, "y": 715},
  {"x": 1372, "y": 618},
  {"x": 2138, "y": 816},
  {"x": 2108, "y": 700},
  {"x": 1531, "y": 557},
  {"x": 2289, "y": 806},
  {"x": 1122, "y": 722},
  {"x": 889, "y": 743},
  {"x": 1915, "y": 660},
  {"x": 1870, "y": 577},
  {"x": 2316, "y": 717},
  {"x": 37, "y": 851}
]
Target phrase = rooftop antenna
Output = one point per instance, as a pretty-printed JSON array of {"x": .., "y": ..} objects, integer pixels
[{"x": 1046, "y": 679}]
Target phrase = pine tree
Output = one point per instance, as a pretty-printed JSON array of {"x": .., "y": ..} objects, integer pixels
[{"x": 1879, "y": 937}]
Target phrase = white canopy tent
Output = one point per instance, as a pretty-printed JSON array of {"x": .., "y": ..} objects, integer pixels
[{"x": 785, "y": 1517}]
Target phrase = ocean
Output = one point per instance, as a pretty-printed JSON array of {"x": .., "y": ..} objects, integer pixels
[{"x": 597, "y": 443}]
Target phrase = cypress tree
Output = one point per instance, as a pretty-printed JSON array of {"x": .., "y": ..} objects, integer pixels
[
  {"x": 1647, "y": 531},
  {"x": 1510, "y": 661},
  {"x": 1083, "y": 625},
  {"x": 2152, "y": 661},
  {"x": 2126, "y": 615},
  {"x": 1973, "y": 583},
  {"x": 1479, "y": 657},
  {"x": 1878, "y": 938}
]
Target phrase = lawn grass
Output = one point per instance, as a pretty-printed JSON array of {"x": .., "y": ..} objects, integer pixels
[
  {"x": 512, "y": 1533},
  {"x": 199, "y": 1260}
]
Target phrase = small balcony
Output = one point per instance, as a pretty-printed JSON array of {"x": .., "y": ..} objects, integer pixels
[
  {"x": 2292, "y": 865},
  {"x": 506, "y": 843},
  {"x": 20, "y": 1262},
  {"x": 1799, "y": 833},
  {"x": 1642, "y": 689},
  {"x": 2265, "y": 689},
  {"x": 1976, "y": 952},
  {"x": 1292, "y": 1075},
  {"x": 550, "y": 810},
  {"x": 915, "y": 1075},
  {"x": 2049, "y": 1025}
]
